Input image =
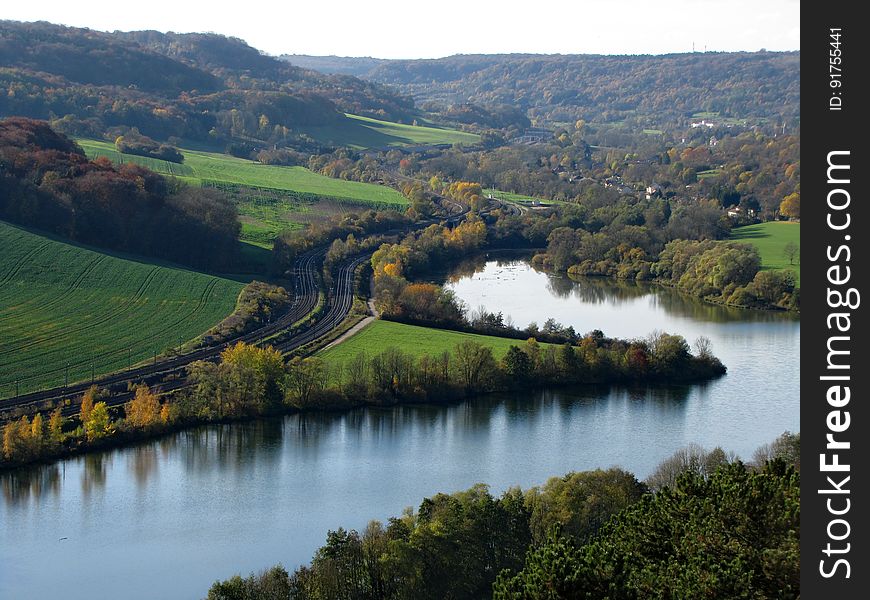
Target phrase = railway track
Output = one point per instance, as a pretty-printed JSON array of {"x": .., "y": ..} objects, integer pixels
[
  {"x": 170, "y": 373},
  {"x": 306, "y": 294}
]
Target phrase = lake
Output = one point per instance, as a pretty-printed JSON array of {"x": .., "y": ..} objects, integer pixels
[{"x": 166, "y": 518}]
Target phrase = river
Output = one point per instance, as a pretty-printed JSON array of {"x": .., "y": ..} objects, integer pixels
[{"x": 166, "y": 518}]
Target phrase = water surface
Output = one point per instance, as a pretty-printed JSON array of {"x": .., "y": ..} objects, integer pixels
[{"x": 166, "y": 518}]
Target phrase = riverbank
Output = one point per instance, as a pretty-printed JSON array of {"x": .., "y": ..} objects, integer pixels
[{"x": 411, "y": 377}]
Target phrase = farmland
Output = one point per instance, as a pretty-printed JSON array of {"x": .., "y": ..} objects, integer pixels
[
  {"x": 63, "y": 304},
  {"x": 222, "y": 168},
  {"x": 363, "y": 132},
  {"x": 771, "y": 239},
  {"x": 411, "y": 339},
  {"x": 269, "y": 198}
]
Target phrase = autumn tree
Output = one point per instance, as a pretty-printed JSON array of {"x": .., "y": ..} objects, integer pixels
[
  {"x": 143, "y": 411},
  {"x": 791, "y": 206},
  {"x": 55, "y": 427},
  {"x": 99, "y": 424}
]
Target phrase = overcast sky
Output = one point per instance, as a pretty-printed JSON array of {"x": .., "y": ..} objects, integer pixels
[{"x": 421, "y": 29}]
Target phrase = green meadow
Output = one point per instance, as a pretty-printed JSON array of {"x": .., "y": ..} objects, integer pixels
[
  {"x": 63, "y": 304},
  {"x": 269, "y": 198},
  {"x": 363, "y": 132},
  {"x": 771, "y": 239},
  {"x": 410, "y": 339}
]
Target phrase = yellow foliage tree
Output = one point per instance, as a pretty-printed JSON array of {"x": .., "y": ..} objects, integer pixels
[
  {"x": 55, "y": 427},
  {"x": 99, "y": 424},
  {"x": 88, "y": 400},
  {"x": 37, "y": 432},
  {"x": 143, "y": 410},
  {"x": 791, "y": 206}
]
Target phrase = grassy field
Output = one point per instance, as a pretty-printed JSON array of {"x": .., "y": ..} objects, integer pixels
[
  {"x": 411, "y": 339},
  {"x": 363, "y": 132},
  {"x": 65, "y": 304},
  {"x": 771, "y": 239},
  {"x": 222, "y": 168},
  {"x": 520, "y": 198},
  {"x": 710, "y": 173},
  {"x": 269, "y": 198}
]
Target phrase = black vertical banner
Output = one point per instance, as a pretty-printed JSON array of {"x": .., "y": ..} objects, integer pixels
[{"x": 835, "y": 372}]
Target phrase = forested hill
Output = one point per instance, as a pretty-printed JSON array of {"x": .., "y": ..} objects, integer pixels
[
  {"x": 203, "y": 87},
  {"x": 91, "y": 57},
  {"x": 656, "y": 90},
  {"x": 243, "y": 66}
]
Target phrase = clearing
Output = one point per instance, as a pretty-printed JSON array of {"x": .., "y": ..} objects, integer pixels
[
  {"x": 411, "y": 339},
  {"x": 771, "y": 239}
]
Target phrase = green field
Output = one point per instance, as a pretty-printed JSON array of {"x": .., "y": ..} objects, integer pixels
[
  {"x": 520, "y": 198},
  {"x": 710, "y": 173},
  {"x": 363, "y": 132},
  {"x": 222, "y": 168},
  {"x": 62, "y": 304},
  {"x": 771, "y": 239},
  {"x": 269, "y": 198},
  {"x": 411, "y": 339}
]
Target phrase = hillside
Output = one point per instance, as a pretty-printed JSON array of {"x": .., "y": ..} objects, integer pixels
[
  {"x": 651, "y": 91},
  {"x": 740, "y": 85},
  {"x": 268, "y": 198},
  {"x": 64, "y": 304},
  {"x": 363, "y": 132},
  {"x": 203, "y": 87}
]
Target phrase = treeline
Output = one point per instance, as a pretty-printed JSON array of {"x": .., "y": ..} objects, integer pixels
[
  {"x": 46, "y": 181},
  {"x": 258, "y": 304},
  {"x": 718, "y": 271},
  {"x": 142, "y": 145},
  {"x": 289, "y": 244},
  {"x": 250, "y": 381},
  {"x": 592, "y": 534}
]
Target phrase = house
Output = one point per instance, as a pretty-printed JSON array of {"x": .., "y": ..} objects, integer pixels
[{"x": 653, "y": 191}]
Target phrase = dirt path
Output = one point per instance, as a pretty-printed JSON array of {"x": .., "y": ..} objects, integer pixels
[{"x": 356, "y": 328}]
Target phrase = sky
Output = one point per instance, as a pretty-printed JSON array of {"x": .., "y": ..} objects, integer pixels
[{"x": 415, "y": 29}]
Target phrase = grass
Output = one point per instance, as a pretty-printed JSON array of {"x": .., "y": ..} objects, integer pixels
[
  {"x": 363, "y": 132},
  {"x": 520, "y": 198},
  {"x": 709, "y": 173},
  {"x": 269, "y": 198},
  {"x": 653, "y": 131},
  {"x": 410, "y": 339},
  {"x": 62, "y": 303},
  {"x": 771, "y": 239},
  {"x": 222, "y": 168}
]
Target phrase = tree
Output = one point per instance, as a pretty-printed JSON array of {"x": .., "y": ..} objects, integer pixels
[
  {"x": 306, "y": 377},
  {"x": 88, "y": 399},
  {"x": 792, "y": 251},
  {"x": 99, "y": 424},
  {"x": 791, "y": 206},
  {"x": 38, "y": 433},
  {"x": 55, "y": 427},
  {"x": 517, "y": 364},
  {"x": 143, "y": 411},
  {"x": 731, "y": 535},
  {"x": 475, "y": 365}
]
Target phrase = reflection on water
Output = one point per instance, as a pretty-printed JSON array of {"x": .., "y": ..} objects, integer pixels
[
  {"x": 33, "y": 482},
  {"x": 203, "y": 504}
]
